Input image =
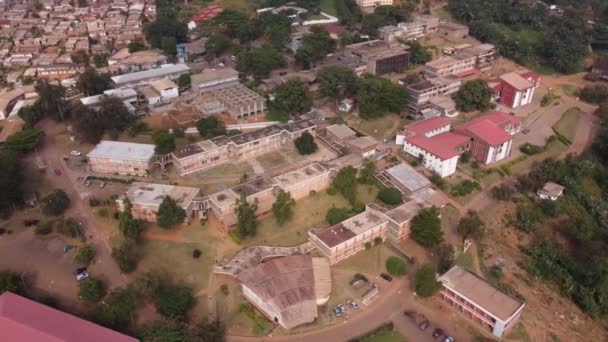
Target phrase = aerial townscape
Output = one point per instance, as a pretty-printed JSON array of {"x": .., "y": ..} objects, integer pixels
[{"x": 303, "y": 170}]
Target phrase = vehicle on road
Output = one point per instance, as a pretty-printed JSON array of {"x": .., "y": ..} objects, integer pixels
[
  {"x": 81, "y": 273},
  {"x": 337, "y": 311},
  {"x": 386, "y": 277},
  {"x": 424, "y": 325},
  {"x": 448, "y": 339},
  {"x": 57, "y": 172},
  {"x": 352, "y": 304},
  {"x": 75, "y": 153},
  {"x": 437, "y": 333}
]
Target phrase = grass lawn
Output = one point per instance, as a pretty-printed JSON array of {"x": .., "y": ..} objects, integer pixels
[
  {"x": 569, "y": 89},
  {"x": 465, "y": 260},
  {"x": 239, "y": 5},
  {"x": 224, "y": 170},
  {"x": 566, "y": 125},
  {"x": 329, "y": 7},
  {"x": 272, "y": 159},
  {"x": 381, "y": 128},
  {"x": 309, "y": 212},
  {"x": 386, "y": 336},
  {"x": 554, "y": 150}
]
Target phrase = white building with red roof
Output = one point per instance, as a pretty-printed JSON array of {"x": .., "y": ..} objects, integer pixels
[
  {"x": 22, "y": 319},
  {"x": 515, "y": 89},
  {"x": 491, "y": 136},
  {"x": 432, "y": 139}
]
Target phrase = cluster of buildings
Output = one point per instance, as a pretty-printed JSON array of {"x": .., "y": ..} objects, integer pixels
[
  {"x": 488, "y": 139},
  {"x": 42, "y": 36}
]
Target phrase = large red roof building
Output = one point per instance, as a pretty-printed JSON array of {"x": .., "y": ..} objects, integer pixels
[
  {"x": 24, "y": 320},
  {"x": 515, "y": 89},
  {"x": 207, "y": 13}
]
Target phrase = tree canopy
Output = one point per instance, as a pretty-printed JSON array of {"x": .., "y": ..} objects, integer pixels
[
  {"x": 90, "y": 82},
  {"x": 395, "y": 266},
  {"x": 418, "y": 53},
  {"x": 130, "y": 227},
  {"x": 169, "y": 213},
  {"x": 91, "y": 124},
  {"x": 246, "y": 224},
  {"x": 306, "y": 144},
  {"x": 346, "y": 183},
  {"x": 426, "y": 284},
  {"x": 292, "y": 97},
  {"x": 85, "y": 254},
  {"x": 55, "y": 203},
  {"x": 377, "y": 96},
  {"x": 282, "y": 208},
  {"x": 259, "y": 62},
  {"x": 474, "y": 95},
  {"x": 471, "y": 226},
  {"x": 164, "y": 141},
  {"x": 390, "y": 196},
  {"x": 166, "y": 31},
  {"x": 336, "y": 215},
  {"x": 91, "y": 290},
  {"x": 24, "y": 141},
  {"x": 210, "y": 127},
  {"x": 337, "y": 82},
  {"x": 315, "y": 46},
  {"x": 126, "y": 255},
  {"x": 11, "y": 281},
  {"x": 11, "y": 180},
  {"x": 426, "y": 227},
  {"x": 174, "y": 302}
]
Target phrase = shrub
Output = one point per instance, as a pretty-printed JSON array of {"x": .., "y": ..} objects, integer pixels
[
  {"x": 527, "y": 217},
  {"x": 44, "y": 228},
  {"x": 438, "y": 181},
  {"x": 336, "y": 215},
  {"x": 368, "y": 245},
  {"x": 377, "y": 241},
  {"x": 426, "y": 284},
  {"x": 196, "y": 253},
  {"x": 11, "y": 281},
  {"x": 224, "y": 289},
  {"x": 464, "y": 188},
  {"x": 358, "y": 207},
  {"x": 502, "y": 192},
  {"x": 126, "y": 256},
  {"x": 332, "y": 191},
  {"x": 68, "y": 227},
  {"x": 55, "y": 203},
  {"x": 85, "y": 255},
  {"x": 174, "y": 302},
  {"x": 495, "y": 272},
  {"x": 234, "y": 235},
  {"x": 390, "y": 196},
  {"x": 306, "y": 144},
  {"x": 531, "y": 149},
  {"x": 395, "y": 266},
  {"x": 91, "y": 290}
]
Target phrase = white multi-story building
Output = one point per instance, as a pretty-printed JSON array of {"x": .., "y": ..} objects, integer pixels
[{"x": 121, "y": 158}]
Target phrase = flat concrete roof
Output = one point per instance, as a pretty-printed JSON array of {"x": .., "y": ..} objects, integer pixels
[
  {"x": 341, "y": 131},
  {"x": 289, "y": 179},
  {"x": 122, "y": 150},
  {"x": 195, "y": 148},
  {"x": 362, "y": 143},
  {"x": 224, "y": 197},
  {"x": 406, "y": 211},
  {"x": 153, "y": 194},
  {"x": 408, "y": 177},
  {"x": 481, "y": 292},
  {"x": 253, "y": 186},
  {"x": 165, "y": 70},
  {"x": 349, "y": 228},
  {"x": 208, "y": 75}
]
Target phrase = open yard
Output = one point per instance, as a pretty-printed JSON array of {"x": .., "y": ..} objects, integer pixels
[
  {"x": 566, "y": 125},
  {"x": 380, "y": 128},
  {"x": 328, "y": 6}
]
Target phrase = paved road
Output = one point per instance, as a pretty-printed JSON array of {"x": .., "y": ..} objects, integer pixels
[
  {"x": 393, "y": 301},
  {"x": 104, "y": 266}
]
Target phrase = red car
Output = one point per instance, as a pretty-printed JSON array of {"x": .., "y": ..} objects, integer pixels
[{"x": 57, "y": 172}]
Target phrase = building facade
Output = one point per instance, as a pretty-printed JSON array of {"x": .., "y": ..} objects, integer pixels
[
  {"x": 146, "y": 198},
  {"x": 421, "y": 93},
  {"x": 514, "y": 89},
  {"x": 121, "y": 158},
  {"x": 380, "y": 57}
]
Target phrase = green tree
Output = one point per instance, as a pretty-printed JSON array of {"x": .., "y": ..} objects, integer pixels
[
  {"x": 91, "y": 290},
  {"x": 118, "y": 309},
  {"x": 418, "y": 53},
  {"x": 136, "y": 45},
  {"x": 164, "y": 141},
  {"x": 474, "y": 95},
  {"x": 168, "y": 45},
  {"x": 126, "y": 255},
  {"x": 169, "y": 213},
  {"x": 259, "y": 62},
  {"x": 315, "y": 46},
  {"x": 282, "y": 209},
  {"x": 85, "y": 255},
  {"x": 426, "y": 227},
  {"x": 346, "y": 183},
  {"x": 11, "y": 181},
  {"x": 31, "y": 114},
  {"x": 210, "y": 127},
  {"x": 100, "y": 60},
  {"x": 390, "y": 196},
  {"x": 395, "y": 266},
  {"x": 377, "y": 96},
  {"x": 148, "y": 284},
  {"x": 130, "y": 227},
  {"x": 426, "y": 284},
  {"x": 292, "y": 97},
  {"x": 25, "y": 141},
  {"x": 80, "y": 57},
  {"x": 91, "y": 124},
  {"x": 174, "y": 302},
  {"x": 51, "y": 99},
  {"x": 367, "y": 172},
  {"x": 337, "y": 82},
  {"x": 184, "y": 80},
  {"x": 445, "y": 257},
  {"x": 246, "y": 223},
  {"x": 92, "y": 83},
  {"x": 11, "y": 281},
  {"x": 306, "y": 144},
  {"x": 55, "y": 203},
  {"x": 165, "y": 32},
  {"x": 216, "y": 45},
  {"x": 471, "y": 226},
  {"x": 336, "y": 215},
  {"x": 163, "y": 331}
]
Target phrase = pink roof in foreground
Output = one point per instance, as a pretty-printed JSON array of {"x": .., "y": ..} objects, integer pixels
[
  {"x": 22, "y": 319},
  {"x": 428, "y": 125},
  {"x": 444, "y": 145}
]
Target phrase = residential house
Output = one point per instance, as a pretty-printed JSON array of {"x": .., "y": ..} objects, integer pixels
[{"x": 514, "y": 89}]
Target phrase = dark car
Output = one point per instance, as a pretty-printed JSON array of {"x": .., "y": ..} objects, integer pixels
[
  {"x": 80, "y": 270},
  {"x": 424, "y": 325},
  {"x": 386, "y": 277},
  {"x": 437, "y": 333}
]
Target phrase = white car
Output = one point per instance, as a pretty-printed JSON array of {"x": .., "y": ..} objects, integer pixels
[{"x": 75, "y": 153}]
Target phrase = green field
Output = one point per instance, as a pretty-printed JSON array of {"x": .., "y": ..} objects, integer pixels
[
  {"x": 566, "y": 126},
  {"x": 380, "y": 128},
  {"x": 329, "y": 7}
]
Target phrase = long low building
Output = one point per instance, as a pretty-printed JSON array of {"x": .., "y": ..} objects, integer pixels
[
  {"x": 202, "y": 155},
  {"x": 146, "y": 198},
  {"x": 121, "y": 158},
  {"x": 421, "y": 93},
  {"x": 289, "y": 289},
  {"x": 166, "y": 71},
  {"x": 480, "y": 301}
]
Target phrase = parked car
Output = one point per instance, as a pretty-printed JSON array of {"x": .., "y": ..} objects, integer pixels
[
  {"x": 386, "y": 277},
  {"x": 448, "y": 339},
  {"x": 81, "y": 273},
  {"x": 353, "y": 304},
  {"x": 424, "y": 325},
  {"x": 437, "y": 333},
  {"x": 337, "y": 311},
  {"x": 342, "y": 308},
  {"x": 75, "y": 153}
]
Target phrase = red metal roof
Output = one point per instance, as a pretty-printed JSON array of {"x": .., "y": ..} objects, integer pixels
[
  {"x": 488, "y": 132},
  {"x": 334, "y": 29},
  {"x": 468, "y": 73},
  {"x": 22, "y": 319},
  {"x": 207, "y": 14},
  {"x": 424, "y": 126},
  {"x": 444, "y": 145},
  {"x": 500, "y": 119}
]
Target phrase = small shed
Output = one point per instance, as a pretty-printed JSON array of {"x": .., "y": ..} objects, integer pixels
[{"x": 551, "y": 191}]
